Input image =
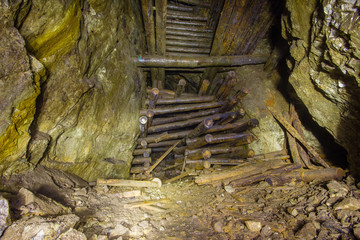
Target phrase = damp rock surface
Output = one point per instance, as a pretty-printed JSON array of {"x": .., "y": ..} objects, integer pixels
[
  {"x": 324, "y": 65},
  {"x": 66, "y": 71}
]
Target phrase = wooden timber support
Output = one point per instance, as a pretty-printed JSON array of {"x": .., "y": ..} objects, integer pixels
[
  {"x": 196, "y": 62},
  {"x": 148, "y": 17},
  {"x": 161, "y": 12}
]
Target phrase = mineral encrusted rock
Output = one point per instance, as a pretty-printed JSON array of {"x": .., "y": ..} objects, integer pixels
[
  {"x": 40, "y": 228},
  {"x": 78, "y": 91},
  {"x": 325, "y": 64},
  {"x": 4, "y": 214}
]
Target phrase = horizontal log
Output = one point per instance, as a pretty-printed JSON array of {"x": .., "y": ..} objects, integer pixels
[
  {"x": 216, "y": 160},
  {"x": 195, "y": 62},
  {"x": 203, "y": 154},
  {"x": 214, "y": 150},
  {"x": 187, "y": 44},
  {"x": 187, "y": 49},
  {"x": 241, "y": 171},
  {"x": 164, "y": 136},
  {"x": 321, "y": 175},
  {"x": 237, "y": 126},
  {"x": 185, "y": 123},
  {"x": 183, "y": 16},
  {"x": 229, "y": 137},
  {"x": 183, "y": 108},
  {"x": 190, "y": 34},
  {"x": 183, "y": 100},
  {"x": 238, "y": 152},
  {"x": 172, "y": 21},
  {"x": 188, "y": 38},
  {"x": 138, "y": 169},
  {"x": 141, "y": 160},
  {"x": 185, "y": 116},
  {"x": 188, "y": 28},
  {"x": 193, "y": 143},
  {"x": 179, "y": 8},
  {"x": 199, "y": 3},
  {"x": 141, "y": 151},
  {"x": 177, "y": 150},
  {"x": 163, "y": 144}
]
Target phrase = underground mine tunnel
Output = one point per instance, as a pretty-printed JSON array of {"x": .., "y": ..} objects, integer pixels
[{"x": 179, "y": 119}]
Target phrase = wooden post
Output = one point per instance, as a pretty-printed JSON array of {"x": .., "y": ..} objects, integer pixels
[
  {"x": 204, "y": 87},
  {"x": 148, "y": 17},
  {"x": 292, "y": 144},
  {"x": 180, "y": 88},
  {"x": 297, "y": 125},
  {"x": 161, "y": 12}
]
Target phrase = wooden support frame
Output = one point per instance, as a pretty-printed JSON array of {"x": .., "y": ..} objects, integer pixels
[
  {"x": 148, "y": 17},
  {"x": 161, "y": 13}
]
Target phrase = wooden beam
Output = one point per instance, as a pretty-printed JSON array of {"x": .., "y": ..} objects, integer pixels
[
  {"x": 161, "y": 13},
  {"x": 198, "y": 62},
  {"x": 148, "y": 17}
]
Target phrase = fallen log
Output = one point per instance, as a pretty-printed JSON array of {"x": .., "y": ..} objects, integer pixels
[
  {"x": 162, "y": 157},
  {"x": 321, "y": 175},
  {"x": 196, "y": 62},
  {"x": 261, "y": 176},
  {"x": 296, "y": 135},
  {"x": 240, "y": 171},
  {"x": 156, "y": 182}
]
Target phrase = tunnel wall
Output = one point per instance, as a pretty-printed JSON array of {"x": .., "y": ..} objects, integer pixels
[
  {"x": 324, "y": 64},
  {"x": 70, "y": 95}
]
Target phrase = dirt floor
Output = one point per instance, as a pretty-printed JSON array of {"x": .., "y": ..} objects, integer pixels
[{"x": 179, "y": 210}]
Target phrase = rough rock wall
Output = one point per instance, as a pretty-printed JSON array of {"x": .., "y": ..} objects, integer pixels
[
  {"x": 324, "y": 38},
  {"x": 87, "y": 110}
]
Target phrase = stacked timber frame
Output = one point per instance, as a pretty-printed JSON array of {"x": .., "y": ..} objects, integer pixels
[
  {"x": 202, "y": 35},
  {"x": 200, "y": 130}
]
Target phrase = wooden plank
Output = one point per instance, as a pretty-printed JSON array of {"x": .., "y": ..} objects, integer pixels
[{"x": 296, "y": 135}]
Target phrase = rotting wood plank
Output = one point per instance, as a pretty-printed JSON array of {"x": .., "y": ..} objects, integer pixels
[{"x": 296, "y": 135}]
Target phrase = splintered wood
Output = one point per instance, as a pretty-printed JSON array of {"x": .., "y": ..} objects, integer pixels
[{"x": 198, "y": 134}]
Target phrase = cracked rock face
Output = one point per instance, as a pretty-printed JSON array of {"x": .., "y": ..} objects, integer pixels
[
  {"x": 84, "y": 101},
  {"x": 325, "y": 64}
]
